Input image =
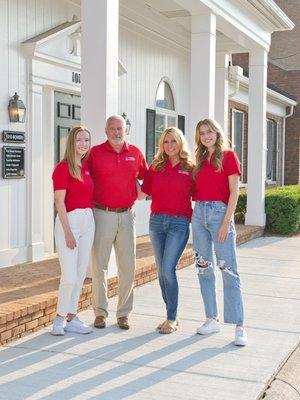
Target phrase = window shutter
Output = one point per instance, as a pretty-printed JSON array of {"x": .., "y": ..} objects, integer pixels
[
  {"x": 181, "y": 123},
  {"x": 150, "y": 135}
]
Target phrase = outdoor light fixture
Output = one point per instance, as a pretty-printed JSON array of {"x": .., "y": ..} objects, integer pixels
[
  {"x": 16, "y": 109},
  {"x": 128, "y": 123}
]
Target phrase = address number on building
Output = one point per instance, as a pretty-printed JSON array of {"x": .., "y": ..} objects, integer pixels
[
  {"x": 13, "y": 162},
  {"x": 76, "y": 78}
]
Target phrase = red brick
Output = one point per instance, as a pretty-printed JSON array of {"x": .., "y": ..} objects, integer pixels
[
  {"x": 24, "y": 320},
  {"x": 11, "y": 325},
  {"x": 44, "y": 319},
  {"x": 50, "y": 310},
  {"x": 32, "y": 324},
  {"x": 5, "y": 335},
  {"x": 18, "y": 329}
]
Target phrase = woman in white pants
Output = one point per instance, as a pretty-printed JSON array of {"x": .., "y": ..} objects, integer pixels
[{"x": 74, "y": 228}]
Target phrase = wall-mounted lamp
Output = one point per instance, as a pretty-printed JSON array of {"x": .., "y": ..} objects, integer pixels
[
  {"x": 128, "y": 123},
  {"x": 16, "y": 109}
]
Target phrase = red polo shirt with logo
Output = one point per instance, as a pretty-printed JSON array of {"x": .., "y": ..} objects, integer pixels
[
  {"x": 211, "y": 185},
  {"x": 171, "y": 190},
  {"x": 79, "y": 194},
  {"x": 114, "y": 174}
]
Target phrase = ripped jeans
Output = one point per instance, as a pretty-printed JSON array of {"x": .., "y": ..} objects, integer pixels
[{"x": 206, "y": 221}]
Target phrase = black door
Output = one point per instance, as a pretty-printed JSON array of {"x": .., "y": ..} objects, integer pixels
[{"x": 67, "y": 114}]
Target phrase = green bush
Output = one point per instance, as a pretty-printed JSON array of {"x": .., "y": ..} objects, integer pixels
[{"x": 282, "y": 209}]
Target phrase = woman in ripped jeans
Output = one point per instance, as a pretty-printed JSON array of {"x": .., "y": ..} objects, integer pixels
[{"x": 216, "y": 193}]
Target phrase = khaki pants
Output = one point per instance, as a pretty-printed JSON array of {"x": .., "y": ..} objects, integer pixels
[{"x": 116, "y": 229}]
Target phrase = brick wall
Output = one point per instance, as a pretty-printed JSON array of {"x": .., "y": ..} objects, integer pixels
[{"x": 24, "y": 316}]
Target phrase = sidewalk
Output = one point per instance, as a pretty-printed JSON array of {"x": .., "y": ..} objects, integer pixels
[
  {"x": 142, "y": 364},
  {"x": 28, "y": 292}
]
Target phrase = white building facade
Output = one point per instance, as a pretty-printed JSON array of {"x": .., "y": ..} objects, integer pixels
[{"x": 161, "y": 62}]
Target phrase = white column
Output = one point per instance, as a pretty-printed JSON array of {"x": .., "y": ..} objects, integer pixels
[
  {"x": 35, "y": 176},
  {"x": 258, "y": 64},
  {"x": 221, "y": 99},
  {"x": 99, "y": 64},
  {"x": 203, "y": 65}
]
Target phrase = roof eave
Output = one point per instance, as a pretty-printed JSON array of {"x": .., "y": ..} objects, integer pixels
[{"x": 274, "y": 14}]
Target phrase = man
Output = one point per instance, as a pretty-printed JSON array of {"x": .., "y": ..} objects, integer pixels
[{"x": 115, "y": 167}]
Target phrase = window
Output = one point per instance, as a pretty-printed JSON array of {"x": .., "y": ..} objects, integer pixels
[
  {"x": 159, "y": 119},
  {"x": 272, "y": 150},
  {"x": 237, "y": 136},
  {"x": 165, "y": 110}
]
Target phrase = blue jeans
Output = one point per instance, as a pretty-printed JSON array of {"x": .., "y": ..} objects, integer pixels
[
  {"x": 206, "y": 221},
  {"x": 169, "y": 235}
]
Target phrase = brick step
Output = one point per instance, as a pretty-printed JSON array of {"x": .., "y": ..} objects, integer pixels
[{"x": 28, "y": 294}]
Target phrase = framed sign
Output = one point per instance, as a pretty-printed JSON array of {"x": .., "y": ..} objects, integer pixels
[
  {"x": 13, "y": 162},
  {"x": 13, "y": 137}
]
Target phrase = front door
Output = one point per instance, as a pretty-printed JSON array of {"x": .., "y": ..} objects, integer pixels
[{"x": 67, "y": 114}]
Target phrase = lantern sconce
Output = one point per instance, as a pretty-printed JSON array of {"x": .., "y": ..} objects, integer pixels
[
  {"x": 127, "y": 122},
  {"x": 16, "y": 109}
]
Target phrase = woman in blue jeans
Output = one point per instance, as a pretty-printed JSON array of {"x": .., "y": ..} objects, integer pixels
[
  {"x": 169, "y": 181},
  {"x": 216, "y": 175}
]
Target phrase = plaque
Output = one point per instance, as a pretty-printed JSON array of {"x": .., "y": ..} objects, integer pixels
[
  {"x": 13, "y": 162},
  {"x": 13, "y": 137}
]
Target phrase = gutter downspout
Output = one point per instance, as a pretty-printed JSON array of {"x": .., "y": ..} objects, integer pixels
[{"x": 283, "y": 142}]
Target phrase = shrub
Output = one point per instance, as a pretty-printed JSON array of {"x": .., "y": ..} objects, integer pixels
[{"x": 282, "y": 209}]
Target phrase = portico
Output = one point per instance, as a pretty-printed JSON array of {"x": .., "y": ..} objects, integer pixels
[
  {"x": 215, "y": 30},
  {"x": 162, "y": 63}
]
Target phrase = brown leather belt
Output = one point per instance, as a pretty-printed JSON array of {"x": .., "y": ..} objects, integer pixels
[{"x": 117, "y": 210}]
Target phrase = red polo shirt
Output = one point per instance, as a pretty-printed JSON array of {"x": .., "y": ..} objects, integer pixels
[
  {"x": 212, "y": 185},
  {"x": 79, "y": 194},
  {"x": 114, "y": 174},
  {"x": 171, "y": 190}
]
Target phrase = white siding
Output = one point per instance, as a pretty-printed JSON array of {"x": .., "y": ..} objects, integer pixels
[
  {"x": 147, "y": 62},
  {"x": 20, "y": 20}
]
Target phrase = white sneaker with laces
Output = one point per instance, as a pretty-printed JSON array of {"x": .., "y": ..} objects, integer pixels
[
  {"x": 211, "y": 325},
  {"x": 77, "y": 326},
  {"x": 58, "y": 326},
  {"x": 240, "y": 336}
]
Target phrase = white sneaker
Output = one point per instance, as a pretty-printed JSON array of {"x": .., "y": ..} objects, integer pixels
[
  {"x": 240, "y": 336},
  {"x": 211, "y": 325},
  {"x": 58, "y": 326},
  {"x": 77, "y": 326}
]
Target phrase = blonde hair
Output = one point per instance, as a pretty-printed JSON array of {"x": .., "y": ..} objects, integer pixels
[
  {"x": 70, "y": 152},
  {"x": 201, "y": 152},
  {"x": 161, "y": 157}
]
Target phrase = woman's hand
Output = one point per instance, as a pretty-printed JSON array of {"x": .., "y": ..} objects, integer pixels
[
  {"x": 233, "y": 197},
  {"x": 70, "y": 240},
  {"x": 223, "y": 231}
]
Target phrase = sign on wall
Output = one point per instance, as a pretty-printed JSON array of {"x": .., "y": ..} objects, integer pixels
[
  {"x": 13, "y": 162},
  {"x": 13, "y": 137}
]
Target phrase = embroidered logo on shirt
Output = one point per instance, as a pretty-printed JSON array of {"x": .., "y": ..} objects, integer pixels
[
  {"x": 130, "y": 158},
  {"x": 180, "y": 171}
]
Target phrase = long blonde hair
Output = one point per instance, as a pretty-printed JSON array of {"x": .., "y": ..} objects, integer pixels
[
  {"x": 201, "y": 152},
  {"x": 70, "y": 152},
  {"x": 161, "y": 157}
]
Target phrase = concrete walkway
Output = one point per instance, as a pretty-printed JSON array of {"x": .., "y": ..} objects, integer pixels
[{"x": 142, "y": 364}]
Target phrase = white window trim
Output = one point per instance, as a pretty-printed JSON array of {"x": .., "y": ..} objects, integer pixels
[
  {"x": 234, "y": 110},
  {"x": 270, "y": 181}
]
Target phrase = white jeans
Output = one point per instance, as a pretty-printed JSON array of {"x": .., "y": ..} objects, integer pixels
[{"x": 73, "y": 262}]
